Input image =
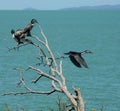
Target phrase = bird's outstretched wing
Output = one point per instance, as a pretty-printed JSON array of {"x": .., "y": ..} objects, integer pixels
[
  {"x": 74, "y": 61},
  {"x": 81, "y": 60}
]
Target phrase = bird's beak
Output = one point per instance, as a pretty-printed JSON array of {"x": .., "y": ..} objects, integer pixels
[{"x": 89, "y": 52}]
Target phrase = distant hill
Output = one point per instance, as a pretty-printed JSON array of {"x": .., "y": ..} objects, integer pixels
[
  {"x": 29, "y": 8},
  {"x": 101, "y": 7}
]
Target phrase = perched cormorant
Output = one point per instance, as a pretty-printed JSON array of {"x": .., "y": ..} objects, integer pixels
[
  {"x": 77, "y": 59},
  {"x": 29, "y": 27},
  {"x": 19, "y": 36}
]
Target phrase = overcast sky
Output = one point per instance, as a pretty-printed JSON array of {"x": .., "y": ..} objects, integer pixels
[{"x": 51, "y": 4}]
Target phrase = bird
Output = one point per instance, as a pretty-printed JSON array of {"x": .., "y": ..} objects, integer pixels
[
  {"x": 28, "y": 28},
  {"x": 77, "y": 59},
  {"x": 19, "y": 36}
]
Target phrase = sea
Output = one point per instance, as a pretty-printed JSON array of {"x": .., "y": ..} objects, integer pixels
[{"x": 94, "y": 30}]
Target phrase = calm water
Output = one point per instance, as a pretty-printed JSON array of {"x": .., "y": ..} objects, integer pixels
[{"x": 98, "y": 31}]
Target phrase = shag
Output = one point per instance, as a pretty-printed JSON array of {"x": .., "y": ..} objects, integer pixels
[
  {"x": 29, "y": 27},
  {"x": 77, "y": 59},
  {"x": 19, "y": 36}
]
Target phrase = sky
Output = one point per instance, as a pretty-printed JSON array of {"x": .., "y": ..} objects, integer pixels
[{"x": 51, "y": 4}]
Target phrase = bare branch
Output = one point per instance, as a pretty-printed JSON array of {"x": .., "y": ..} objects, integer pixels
[
  {"x": 61, "y": 67},
  {"x": 22, "y": 79},
  {"x": 41, "y": 73},
  {"x": 47, "y": 46},
  {"x": 44, "y": 74},
  {"x": 41, "y": 58},
  {"x": 55, "y": 87},
  {"x": 28, "y": 92},
  {"x": 38, "y": 39},
  {"x": 37, "y": 79},
  {"x": 41, "y": 50},
  {"x": 45, "y": 38},
  {"x": 17, "y": 47},
  {"x": 15, "y": 93}
]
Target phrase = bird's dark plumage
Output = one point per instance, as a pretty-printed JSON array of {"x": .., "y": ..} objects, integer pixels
[
  {"x": 77, "y": 59},
  {"x": 19, "y": 36},
  {"x": 28, "y": 28}
]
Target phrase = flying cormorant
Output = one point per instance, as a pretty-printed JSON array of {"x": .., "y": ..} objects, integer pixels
[{"x": 77, "y": 59}]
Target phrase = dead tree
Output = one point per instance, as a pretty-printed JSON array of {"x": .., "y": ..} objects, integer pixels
[{"x": 55, "y": 74}]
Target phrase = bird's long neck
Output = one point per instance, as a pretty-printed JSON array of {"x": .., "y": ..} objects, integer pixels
[{"x": 83, "y": 52}]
